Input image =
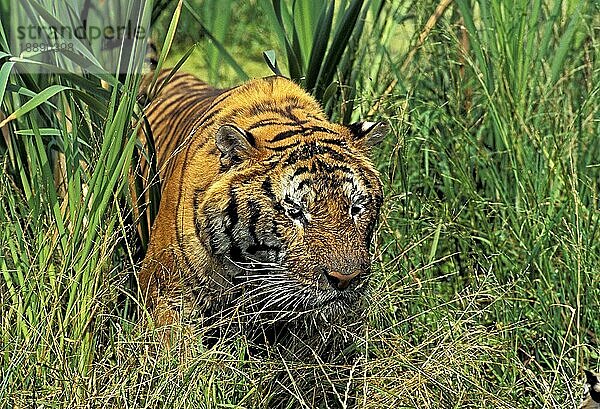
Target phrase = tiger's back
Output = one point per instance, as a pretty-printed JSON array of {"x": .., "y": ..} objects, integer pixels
[
  {"x": 259, "y": 193},
  {"x": 183, "y": 98}
]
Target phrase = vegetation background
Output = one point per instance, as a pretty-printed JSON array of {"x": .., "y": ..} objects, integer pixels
[{"x": 487, "y": 280}]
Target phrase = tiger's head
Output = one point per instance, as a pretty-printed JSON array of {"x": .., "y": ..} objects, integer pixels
[{"x": 292, "y": 222}]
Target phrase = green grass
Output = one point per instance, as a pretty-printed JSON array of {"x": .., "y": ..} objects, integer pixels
[{"x": 487, "y": 261}]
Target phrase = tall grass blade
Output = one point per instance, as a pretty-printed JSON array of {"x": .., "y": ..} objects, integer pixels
[
  {"x": 242, "y": 75},
  {"x": 294, "y": 60},
  {"x": 565, "y": 44},
  {"x": 339, "y": 43},
  {"x": 166, "y": 45},
  {"x": 319, "y": 46}
]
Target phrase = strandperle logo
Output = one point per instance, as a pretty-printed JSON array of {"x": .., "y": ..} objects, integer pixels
[
  {"x": 81, "y": 32},
  {"x": 79, "y": 35}
]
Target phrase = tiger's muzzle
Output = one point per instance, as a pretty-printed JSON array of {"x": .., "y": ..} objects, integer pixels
[{"x": 339, "y": 280}]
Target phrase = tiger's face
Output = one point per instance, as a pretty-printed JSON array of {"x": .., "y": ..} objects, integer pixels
[{"x": 293, "y": 226}]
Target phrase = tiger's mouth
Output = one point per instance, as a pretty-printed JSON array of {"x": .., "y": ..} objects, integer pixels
[
  {"x": 329, "y": 301},
  {"x": 347, "y": 298},
  {"x": 285, "y": 296}
]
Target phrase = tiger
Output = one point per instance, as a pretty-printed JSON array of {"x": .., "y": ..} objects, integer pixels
[
  {"x": 266, "y": 207},
  {"x": 591, "y": 391}
]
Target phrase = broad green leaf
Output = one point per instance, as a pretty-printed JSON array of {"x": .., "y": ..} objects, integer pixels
[
  {"x": 339, "y": 44},
  {"x": 5, "y": 70},
  {"x": 319, "y": 46},
  {"x": 34, "y": 102},
  {"x": 294, "y": 63},
  {"x": 271, "y": 61},
  {"x": 41, "y": 131}
]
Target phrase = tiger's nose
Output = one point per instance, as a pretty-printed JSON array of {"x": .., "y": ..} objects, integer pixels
[{"x": 339, "y": 280}]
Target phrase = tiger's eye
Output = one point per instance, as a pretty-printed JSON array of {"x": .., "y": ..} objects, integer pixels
[
  {"x": 356, "y": 210},
  {"x": 295, "y": 214}
]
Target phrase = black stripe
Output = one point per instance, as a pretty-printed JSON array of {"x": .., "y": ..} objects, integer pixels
[
  {"x": 305, "y": 182},
  {"x": 301, "y": 170},
  {"x": 365, "y": 179},
  {"x": 197, "y": 226},
  {"x": 232, "y": 213},
  {"x": 293, "y": 105},
  {"x": 213, "y": 109},
  {"x": 287, "y": 134},
  {"x": 173, "y": 118},
  {"x": 172, "y": 84},
  {"x": 255, "y": 248},
  {"x": 335, "y": 155},
  {"x": 308, "y": 150},
  {"x": 274, "y": 121},
  {"x": 262, "y": 107},
  {"x": 222, "y": 166},
  {"x": 205, "y": 120},
  {"x": 304, "y": 131},
  {"x": 283, "y": 147},
  {"x": 370, "y": 231},
  {"x": 253, "y": 207},
  {"x": 267, "y": 188},
  {"x": 250, "y": 139},
  {"x": 179, "y": 234},
  {"x": 321, "y": 129},
  {"x": 275, "y": 230},
  {"x": 330, "y": 168},
  {"x": 162, "y": 105},
  {"x": 337, "y": 142},
  {"x": 235, "y": 252},
  {"x": 167, "y": 144},
  {"x": 176, "y": 116}
]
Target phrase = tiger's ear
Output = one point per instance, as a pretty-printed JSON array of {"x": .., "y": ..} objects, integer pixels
[
  {"x": 235, "y": 144},
  {"x": 369, "y": 134}
]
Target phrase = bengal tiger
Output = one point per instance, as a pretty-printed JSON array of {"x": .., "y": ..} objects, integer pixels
[{"x": 266, "y": 206}]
